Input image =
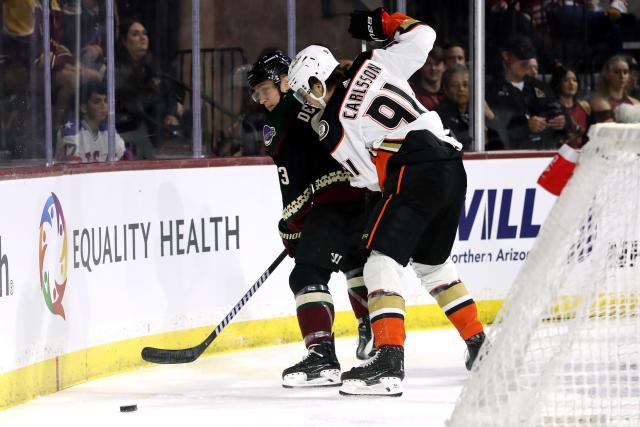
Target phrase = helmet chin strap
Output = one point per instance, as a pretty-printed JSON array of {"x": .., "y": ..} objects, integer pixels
[{"x": 320, "y": 99}]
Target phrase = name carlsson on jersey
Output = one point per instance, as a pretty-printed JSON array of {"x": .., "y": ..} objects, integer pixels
[{"x": 359, "y": 89}]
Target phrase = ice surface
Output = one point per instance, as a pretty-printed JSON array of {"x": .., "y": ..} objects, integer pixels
[{"x": 243, "y": 389}]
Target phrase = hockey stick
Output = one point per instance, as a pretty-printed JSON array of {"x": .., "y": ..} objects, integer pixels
[{"x": 188, "y": 355}]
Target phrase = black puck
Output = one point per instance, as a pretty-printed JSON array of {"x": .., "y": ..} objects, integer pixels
[{"x": 128, "y": 408}]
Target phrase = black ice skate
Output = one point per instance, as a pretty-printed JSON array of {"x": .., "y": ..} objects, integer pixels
[
  {"x": 365, "y": 349},
  {"x": 319, "y": 368},
  {"x": 473, "y": 347},
  {"x": 381, "y": 375}
]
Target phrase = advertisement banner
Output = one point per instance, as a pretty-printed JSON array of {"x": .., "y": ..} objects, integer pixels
[
  {"x": 503, "y": 212},
  {"x": 95, "y": 258}
]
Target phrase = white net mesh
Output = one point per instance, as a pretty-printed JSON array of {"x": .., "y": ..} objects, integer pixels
[{"x": 565, "y": 348}]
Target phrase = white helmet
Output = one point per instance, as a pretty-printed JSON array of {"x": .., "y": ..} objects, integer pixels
[{"x": 312, "y": 61}]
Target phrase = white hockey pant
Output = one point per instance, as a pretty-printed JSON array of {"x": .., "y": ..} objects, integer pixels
[
  {"x": 382, "y": 273},
  {"x": 432, "y": 276}
]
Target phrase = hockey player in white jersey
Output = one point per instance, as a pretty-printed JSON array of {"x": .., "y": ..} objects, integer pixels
[{"x": 373, "y": 125}]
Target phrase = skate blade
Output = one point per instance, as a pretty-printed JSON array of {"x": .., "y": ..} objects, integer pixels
[
  {"x": 327, "y": 378},
  {"x": 388, "y": 386}
]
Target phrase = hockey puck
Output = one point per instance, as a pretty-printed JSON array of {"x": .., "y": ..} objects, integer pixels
[{"x": 128, "y": 408}]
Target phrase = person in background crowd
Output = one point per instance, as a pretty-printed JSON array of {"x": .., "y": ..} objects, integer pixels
[
  {"x": 527, "y": 113},
  {"x": 578, "y": 23},
  {"x": 87, "y": 140},
  {"x": 564, "y": 82},
  {"x": 634, "y": 79},
  {"x": 84, "y": 26},
  {"x": 21, "y": 44},
  {"x": 533, "y": 68},
  {"x": 147, "y": 103},
  {"x": 504, "y": 19},
  {"x": 427, "y": 81},
  {"x": 454, "y": 54},
  {"x": 321, "y": 225},
  {"x": 454, "y": 108},
  {"x": 613, "y": 89}
]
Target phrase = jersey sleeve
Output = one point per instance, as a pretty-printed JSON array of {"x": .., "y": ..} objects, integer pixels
[
  {"x": 412, "y": 42},
  {"x": 120, "y": 147},
  {"x": 68, "y": 148}
]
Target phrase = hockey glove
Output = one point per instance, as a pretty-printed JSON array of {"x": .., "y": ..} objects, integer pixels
[
  {"x": 367, "y": 25},
  {"x": 289, "y": 238}
]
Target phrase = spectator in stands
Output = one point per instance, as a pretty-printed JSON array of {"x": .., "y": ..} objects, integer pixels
[
  {"x": 427, "y": 81},
  {"x": 564, "y": 83},
  {"x": 21, "y": 42},
  {"x": 527, "y": 113},
  {"x": 634, "y": 79},
  {"x": 87, "y": 23},
  {"x": 87, "y": 140},
  {"x": 613, "y": 89},
  {"x": 454, "y": 108},
  {"x": 533, "y": 68},
  {"x": 454, "y": 54},
  {"x": 147, "y": 104},
  {"x": 504, "y": 19},
  {"x": 588, "y": 30}
]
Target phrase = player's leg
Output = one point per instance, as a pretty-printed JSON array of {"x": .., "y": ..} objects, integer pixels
[
  {"x": 438, "y": 274},
  {"x": 315, "y": 312},
  {"x": 332, "y": 235},
  {"x": 357, "y": 292},
  {"x": 314, "y": 304},
  {"x": 352, "y": 265},
  {"x": 391, "y": 236}
]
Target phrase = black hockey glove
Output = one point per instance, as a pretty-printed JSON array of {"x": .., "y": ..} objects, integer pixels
[
  {"x": 289, "y": 239},
  {"x": 367, "y": 25}
]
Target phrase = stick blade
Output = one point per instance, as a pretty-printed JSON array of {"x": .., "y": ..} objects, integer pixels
[{"x": 169, "y": 357}]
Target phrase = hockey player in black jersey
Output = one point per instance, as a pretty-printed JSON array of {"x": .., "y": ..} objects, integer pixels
[
  {"x": 376, "y": 128},
  {"x": 321, "y": 226}
]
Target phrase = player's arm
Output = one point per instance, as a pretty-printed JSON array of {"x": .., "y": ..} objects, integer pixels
[{"x": 412, "y": 40}]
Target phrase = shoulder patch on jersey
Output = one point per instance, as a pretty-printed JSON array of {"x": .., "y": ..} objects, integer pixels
[
  {"x": 323, "y": 129},
  {"x": 409, "y": 23},
  {"x": 70, "y": 128},
  {"x": 268, "y": 132}
]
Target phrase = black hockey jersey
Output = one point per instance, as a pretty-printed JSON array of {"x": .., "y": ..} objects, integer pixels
[{"x": 307, "y": 173}]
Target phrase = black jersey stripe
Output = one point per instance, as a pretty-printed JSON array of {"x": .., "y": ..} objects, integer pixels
[
  {"x": 387, "y": 316},
  {"x": 459, "y": 306},
  {"x": 404, "y": 95}
]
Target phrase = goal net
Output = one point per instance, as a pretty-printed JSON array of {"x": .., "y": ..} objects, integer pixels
[{"x": 565, "y": 347}]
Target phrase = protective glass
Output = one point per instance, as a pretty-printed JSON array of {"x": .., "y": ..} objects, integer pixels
[{"x": 257, "y": 94}]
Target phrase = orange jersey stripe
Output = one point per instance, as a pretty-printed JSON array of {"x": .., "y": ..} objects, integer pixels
[
  {"x": 375, "y": 226},
  {"x": 400, "y": 179},
  {"x": 380, "y": 161}
]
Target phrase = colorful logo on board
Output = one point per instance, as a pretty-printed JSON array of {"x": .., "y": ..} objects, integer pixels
[{"x": 53, "y": 255}]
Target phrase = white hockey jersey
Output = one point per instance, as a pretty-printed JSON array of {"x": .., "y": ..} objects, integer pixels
[
  {"x": 368, "y": 117},
  {"x": 77, "y": 143}
]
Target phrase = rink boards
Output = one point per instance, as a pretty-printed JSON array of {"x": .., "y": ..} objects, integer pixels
[{"x": 95, "y": 266}]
